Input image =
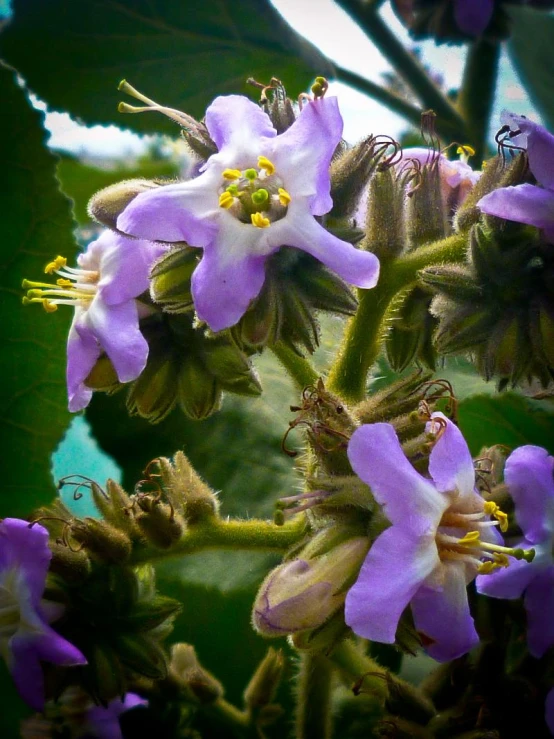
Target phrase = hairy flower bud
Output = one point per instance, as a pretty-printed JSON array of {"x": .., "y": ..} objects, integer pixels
[
  {"x": 107, "y": 205},
  {"x": 426, "y": 217},
  {"x": 263, "y": 684},
  {"x": 71, "y": 565},
  {"x": 303, "y": 593},
  {"x": 187, "y": 671},
  {"x": 186, "y": 490},
  {"x": 160, "y": 524},
  {"x": 102, "y": 541},
  {"x": 384, "y": 216},
  {"x": 115, "y": 506}
]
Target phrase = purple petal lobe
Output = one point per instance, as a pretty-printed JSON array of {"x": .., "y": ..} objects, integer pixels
[
  {"x": 509, "y": 582},
  {"x": 235, "y": 121},
  {"x": 27, "y": 673},
  {"x": 443, "y": 616},
  {"x": 302, "y": 154},
  {"x": 299, "y": 229},
  {"x": 473, "y": 16},
  {"x": 529, "y": 476},
  {"x": 26, "y": 549},
  {"x": 83, "y": 350},
  {"x": 396, "y": 565},
  {"x": 539, "y": 604},
  {"x": 450, "y": 462},
  {"x": 223, "y": 289},
  {"x": 186, "y": 211},
  {"x": 125, "y": 268},
  {"x": 117, "y": 329},
  {"x": 408, "y": 499},
  {"x": 540, "y": 149},
  {"x": 524, "y": 203}
]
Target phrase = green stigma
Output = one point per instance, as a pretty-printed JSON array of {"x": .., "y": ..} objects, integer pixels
[{"x": 260, "y": 197}]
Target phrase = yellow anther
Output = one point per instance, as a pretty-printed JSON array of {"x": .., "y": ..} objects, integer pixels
[
  {"x": 265, "y": 164},
  {"x": 226, "y": 200},
  {"x": 471, "y": 539},
  {"x": 62, "y": 282},
  {"x": 284, "y": 197},
  {"x": 492, "y": 509},
  {"x": 232, "y": 174},
  {"x": 466, "y": 150},
  {"x": 259, "y": 220},
  {"x": 58, "y": 263},
  {"x": 48, "y": 306},
  {"x": 501, "y": 560},
  {"x": 485, "y": 568}
]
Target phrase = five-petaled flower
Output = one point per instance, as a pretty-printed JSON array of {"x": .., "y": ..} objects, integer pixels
[
  {"x": 530, "y": 204},
  {"x": 260, "y": 192},
  {"x": 441, "y": 536},
  {"x": 529, "y": 475},
  {"x": 26, "y": 639},
  {"x": 112, "y": 272}
]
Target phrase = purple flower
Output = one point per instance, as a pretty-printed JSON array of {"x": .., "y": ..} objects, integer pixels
[
  {"x": 103, "y": 723},
  {"x": 526, "y": 203},
  {"x": 259, "y": 192},
  {"x": 26, "y": 639},
  {"x": 441, "y": 531},
  {"x": 473, "y": 16},
  {"x": 456, "y": 176},
  {"x": 529, "y": 475},
  {"x": 112, "y": 272}
]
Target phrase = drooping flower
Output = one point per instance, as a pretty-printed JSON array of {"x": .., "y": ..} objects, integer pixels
[
  {"x": 26, "y": 639},
  {"x": 441, "y": 536},
  {"x": 260, "y": 192},
  {"x": 530, "y": 204},
  {"x": 529, "y": 475},
  {"x": 103, "y": 723},
  {"x": 112, "y": 272}
]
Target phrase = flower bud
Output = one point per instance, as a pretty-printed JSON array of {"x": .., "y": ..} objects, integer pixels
[
  {"x": 107, "y": 205},
  {"x": 303, "y": 593},
  {"x": 115, "y": 506},
  {"x": 426, "y": 217},
  {"x": 170, "y": 279},
  {"x": 187, "y": 671},
  {"x": 384, "y": 215},
  {"x": 200, "y": 141},
  {"x": 186, "y": 490},
  {"x": 102, "y": 541},
  {"x": 72, "y": 566},
  {"x": 263, "y": 684},
  {"x": 411, "y": 331},
  {"x": 159, "y": 522}
]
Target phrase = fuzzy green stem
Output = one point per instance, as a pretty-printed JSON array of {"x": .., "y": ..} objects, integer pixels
[
  {"x": 477, "y": 93},
  {"x": 215, "y": 533},
  {"x": 229, "y": 718},
  {"x": 299, "y": 368},
  {"x": 393, "y": 102},
  {"x": 449, "y": 122},
  {"x": 364, "y": 333},
  {"x": 313, "y": 712}
]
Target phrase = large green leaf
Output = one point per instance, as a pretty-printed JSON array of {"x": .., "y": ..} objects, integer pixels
[
  {"x": 530, "y": 49},
  {"x": 36, "y": 225},
  {"x": 73, "y": 54},
  {"x": 508, "y": 419}
]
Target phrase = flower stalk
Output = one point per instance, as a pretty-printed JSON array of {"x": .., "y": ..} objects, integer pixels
[{"x": 313, "y": 712}]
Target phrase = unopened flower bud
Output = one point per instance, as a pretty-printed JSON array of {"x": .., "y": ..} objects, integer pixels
[
  {"x": 187, "y": 671},
  {"x": 71, "y": 565},
  {"x": 384, "y": 215},
  {"x": 102, "y": 541},
  {"x": 426, "y": 217},
  {"x": 170, "y": 279},
  {"x": 159, "y": 522},
  {"x": 186, "y": 490},
  {"x": 108, "y": 204},
  {"x": 263, "y": 684},
  {"x": 303, "y": 593},
  {"x": 115, "y": 506}
]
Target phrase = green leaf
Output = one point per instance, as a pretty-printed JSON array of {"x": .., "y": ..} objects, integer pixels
[
  {"x": 530, "y": 49},
  {"x": 181, "y": 54},
  {"x": 36, "y": 226},
  {"x": 508, "y": 419}
]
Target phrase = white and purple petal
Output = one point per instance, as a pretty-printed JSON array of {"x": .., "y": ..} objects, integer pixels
[
  {"x": 523, "y": 203},
  {"x": 443, "y": 616},
  {"x": 236, "y": 124},
  {"x": 409, "y": 500},
  {"x": 83, "y": 350},
  {"x": 396, "y": 565},
  {"x": 529, "y": 474},
  {"x": 25, "y": 549},
  {"x": 450, "y": 461}
]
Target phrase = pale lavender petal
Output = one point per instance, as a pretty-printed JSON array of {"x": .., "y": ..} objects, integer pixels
[
  {"x": 302, "y": 154},
  {"x": 83, "y": 350},
  {"x": 409, "y": 500},
  {"x": 539, "y": 604},
  {"x": 540, "y": 149},
  {"x": 236, "y": 122},
  {"x": 524, "y": 203},
  {"x": 117, "y": 330},
  {"x": 444, "y": 617},
  {"x": 299, "y": 229},
  {"x": 26, "y": 549},
  {"x": 473, "y": 16},
  {"x": 396, "y": 565},
  {"x": 125, "y": 268},
  {"x": 450, "y": 462},
  {"x": 223, "y": 288},
  {"x": 509, "y": 582},
  {"x": 185, "y": 211},
  {"x": 529, "y": 475},
  {"x": 549, "y": 711}
]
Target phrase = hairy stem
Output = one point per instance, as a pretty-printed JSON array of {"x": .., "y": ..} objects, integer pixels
[
  {"x": 313, "y": 712},
  {"x": 477, "y": 93},
  {"x": 215, "y": 533},
  {"x": 365, "y": 331},
  {"x": 299, "y": 368},
  {"x": 449, "y": 122}
]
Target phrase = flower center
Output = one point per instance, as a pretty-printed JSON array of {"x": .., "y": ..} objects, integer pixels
[
  {"x": 460, "y": 537},
  {"x": 75, "y": 286},
  {"x": 254, "y": 196}
]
